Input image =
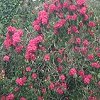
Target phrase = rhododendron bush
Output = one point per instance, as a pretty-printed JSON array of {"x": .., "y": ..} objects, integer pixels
[{"x": 60, "y": 60}]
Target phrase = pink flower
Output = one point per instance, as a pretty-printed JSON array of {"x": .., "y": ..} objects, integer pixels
[
  {"x": 18, "y": 48},
  {"x": 62, "y": 77},
  {"x": 59, "y": 91},
  {"x": 7, "y": 43},
  {"x": 86, "y": 17},
  {"x": 35, "y": 22},
  {"x": 74, "y": 17},
  {"x": 78, "y": 41},
  {"x": 83, "y": 10},
  {"x": 11, "y": 29},
  {"x": 16, "y": 89},
  {"x": 64, "y": 85},
  {"x": 22, "y": 98},
  {"x": 80, "y": 2},
  {"x": 34, "y": 76},
  {"x": 21, "y": 81},
  {"x": 43, "y": 90},
  {"x": 10, "y": 96},
  {"x": 59, "y": 60},
  {"x": 98, "y": 54},
  {"x": 72, "y": 7},
  {"x": 47, "y": 57},
  {"x": 59, "y": 69},
  {"x": 72, "y": 71},
  {"x": 51, "y": 86},
  {"x": 74, "y": 29},
  {"x": 44, "y": 21},
  {"x": 40, "y": 98},
  {"x": 6, "y": 58},
  {"x": 92, "y": 98},
  {"x": 65, "y": 5},
  {"x": 59, "y": 24},
  {"x": 91, "y": 24},
  {"x": 3, "y": 97},
  {"x": 85, "y": 42},
  {"x": 90, "y": 57},
  {"x": 16, "y": 38},
  {"x": 61, "y": 50},
  {"x": 52, "y": 8},
  {"x": 81, "y": 73},
  {"x": 95, "y": 65},
  {"x": 45, "y": 5},
  {"x": 83, "y": 50},
  {"x": 37, "y": 27},
  {"x": 28, "y": 69},
  {"x": 99, "y": 83},
  {"x": 86, "y": 80}
]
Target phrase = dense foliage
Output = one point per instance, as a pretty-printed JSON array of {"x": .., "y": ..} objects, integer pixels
[{"x": 59, "y": 59}]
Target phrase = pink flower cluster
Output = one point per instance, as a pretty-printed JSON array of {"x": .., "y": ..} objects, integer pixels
[
  {"x": 33, "y": 47},
  {"x": 59, "y": 87},
  {"x": 13, "y": 38},
  {"x": 42, "y": 19},
  {"x": 21, "y": 81}
]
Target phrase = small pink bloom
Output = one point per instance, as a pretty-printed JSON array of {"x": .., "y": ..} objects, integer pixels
[
  {"x": 11, "y": 29},
  {"x": 52, "y": 8},
  {"x": 47, "y": 57},
  {"x": 51, "y": 86},
  {"x": 43, "y": 90},
  {"x": 10, "y": 96},
  {"x": 62, "y": 77},
  {"x": 6, "y": 58},
  {"x": 3, "y": 97},
  {"x": 19, "y": 48},
  {"x": 37, "y": 27},
  {"x": 59, "y": 91},
  {"x": 78, "y": 41},
  {"x": 81, "y": 73},
  {"x": 59, "y": 60},
  {"x": 90, "y": 57},
  {"x": 95, "y": 65},
  {"x": 72, "y": 71},
  {"x": 34, "y": 76},
  {"x": 80, "y": 2},
  {"x": 40, "y": 98},
  {"x": 83, "y": 10},
  {"x": 92, "y": 98},
  {"x": 16, "y": 89},
  {"x": 72, "y": 7},
  {"x": 59, "y": 69},
  {"x": 28, "y": 69},
  {"x": 22, "y": 98},
  {"x": 85, "y": 42},
  {"x": 91, "y": 24}
]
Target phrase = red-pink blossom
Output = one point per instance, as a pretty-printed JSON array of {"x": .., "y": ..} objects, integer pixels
[
  {"x": 28, "y": 69},
  {"x": 80, "y": 2},
  {"x": 59, "y": 91},
  {"x": 72, "y": 71},
  {"x": 91, "y": 24},
  {"x": 23, "y": 98},
  {"x": 81, "y": 73},
  {"x": 90, "y": 57},
  {"x": 51, "y": 86},
  {"x": 6, "y": 58},
  {"x": 78, "y": 41},
  {"x": 47, "y": 57},
  {"x": 10, "y": 96},
  {"x": 34, "y": 76},
  {"x": 62, "y": 77}
]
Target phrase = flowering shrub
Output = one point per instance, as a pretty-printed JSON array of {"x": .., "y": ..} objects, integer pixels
[{"x": 60, "y": 62}]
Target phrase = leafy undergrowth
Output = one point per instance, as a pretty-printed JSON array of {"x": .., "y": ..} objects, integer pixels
[{"x": 54, "y": 55}]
